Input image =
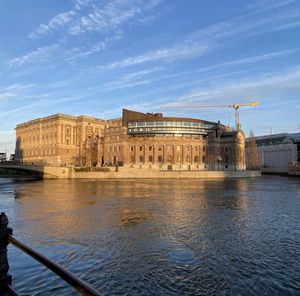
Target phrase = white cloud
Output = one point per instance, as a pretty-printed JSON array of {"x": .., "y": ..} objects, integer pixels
[
  {"x": 13, "y": 90},
  {"x": 17, "y": 87},
  {"x": 261, "y": 87},
  {"x": 6, "y": 95},
  {"x": 79, "y": 52},
  {"x": 267, "y": 5},
  {"x": 38, "y": 55},
  {"x": 177, "y": 52},
  {"x": 83, "y": 51},
  {"x": 54, "y": 24},
  {"x": 96, "y": 18}
]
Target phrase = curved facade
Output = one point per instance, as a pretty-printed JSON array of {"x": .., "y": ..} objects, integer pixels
[{"x": 138, "y": 140}]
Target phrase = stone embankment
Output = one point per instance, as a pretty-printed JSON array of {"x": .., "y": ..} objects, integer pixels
[{"x": 134, "y": 173}]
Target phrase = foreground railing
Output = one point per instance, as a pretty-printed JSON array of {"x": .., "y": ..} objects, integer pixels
[{"x": 6, "y": 279}]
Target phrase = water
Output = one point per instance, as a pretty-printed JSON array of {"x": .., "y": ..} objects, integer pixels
[{"x": 158, "y": 237}]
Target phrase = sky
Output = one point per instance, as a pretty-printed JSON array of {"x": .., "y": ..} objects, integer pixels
[{"x": 96, "y": 57}]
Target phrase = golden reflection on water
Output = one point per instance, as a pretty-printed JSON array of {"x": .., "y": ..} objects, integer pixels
[{"x": 200, "y": 235}]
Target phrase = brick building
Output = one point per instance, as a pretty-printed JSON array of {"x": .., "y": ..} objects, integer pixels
[{"x": 136, "y": 140}]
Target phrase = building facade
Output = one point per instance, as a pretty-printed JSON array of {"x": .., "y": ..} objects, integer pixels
[
  {"x": 277, "y": 151},
  {"x": 135, "y": 140}
]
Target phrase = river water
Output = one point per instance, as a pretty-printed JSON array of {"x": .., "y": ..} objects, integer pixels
[{"x": 158, "y": 237}]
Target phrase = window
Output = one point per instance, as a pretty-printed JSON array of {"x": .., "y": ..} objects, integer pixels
[
  {"x": 150, "y": 149},
  {"x": 68, "y": 141},
  {"x": 203, "y": 158},
  {"x": 141, "y": 148},
  {"x": 196, "y": 148},
  {"x": 159, "y": 148},
  {"x": 160, "y": 158},
  {"x": 132, "y": 158},
  {"x": 131, "y": 148},
  {"x": 141, "y": 158},
  {"x": 226, "y": 149},
  {"x": 196, "y": 158},
  {"x": 204, "y": 148},
  {"x": 150, "y": 158}
]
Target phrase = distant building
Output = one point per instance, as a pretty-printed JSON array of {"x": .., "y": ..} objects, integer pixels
[
  {"x": 277, "y": 151},
  {"x": 3, "y": 157},
  {"x": 136, "y": 140}
]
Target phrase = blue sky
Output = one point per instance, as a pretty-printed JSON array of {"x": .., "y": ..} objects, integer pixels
[{"x": 95, "y": 57}]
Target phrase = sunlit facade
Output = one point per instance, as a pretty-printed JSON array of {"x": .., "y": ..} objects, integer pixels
[{"x": 135, "y": 140}]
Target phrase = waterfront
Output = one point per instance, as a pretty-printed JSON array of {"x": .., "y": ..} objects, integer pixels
[{"x": 158, "y": 237}]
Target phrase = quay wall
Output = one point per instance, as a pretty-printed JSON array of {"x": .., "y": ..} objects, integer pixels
[{"x": 132, "y": 173}]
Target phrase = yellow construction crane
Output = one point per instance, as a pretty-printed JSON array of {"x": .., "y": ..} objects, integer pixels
[{"x": 236, "y": 107}]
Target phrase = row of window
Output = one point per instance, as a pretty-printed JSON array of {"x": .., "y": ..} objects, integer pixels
[
  {"x": 112, "y": 138},
  {"x": 167, "y": 130},
  {"x": 168, "y": 159},
  {"x": 170, "y": 124},
  {"x": 114, "y": 149},
  {"x": 169, "y": 148},
  {"x": 40, "y": 152}
]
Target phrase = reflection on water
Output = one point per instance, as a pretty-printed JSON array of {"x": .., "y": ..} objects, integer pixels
[{"x": 158, "y": 237}]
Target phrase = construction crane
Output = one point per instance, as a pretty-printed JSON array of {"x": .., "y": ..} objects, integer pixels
[{"x": 236, "y": 107}]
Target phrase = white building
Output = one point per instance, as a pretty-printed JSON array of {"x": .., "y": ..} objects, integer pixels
[{"x": 276, "y": 151}]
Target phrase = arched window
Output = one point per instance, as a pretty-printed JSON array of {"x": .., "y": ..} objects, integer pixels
[{"x": 160, "y": 158}]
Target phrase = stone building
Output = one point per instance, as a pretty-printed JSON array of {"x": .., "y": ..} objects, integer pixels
[{"x": 135, "y": 140}]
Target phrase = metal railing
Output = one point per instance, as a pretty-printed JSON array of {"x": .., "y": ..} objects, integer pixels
[{"x": 6, "y": 279}]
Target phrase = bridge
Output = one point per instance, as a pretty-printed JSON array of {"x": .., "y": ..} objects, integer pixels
[{"x": 45, "y": 172}]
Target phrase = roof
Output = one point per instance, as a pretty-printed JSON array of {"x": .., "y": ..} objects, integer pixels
[
  {"x": 277, "y": 139},
  {"x": 134, "y": 116}
]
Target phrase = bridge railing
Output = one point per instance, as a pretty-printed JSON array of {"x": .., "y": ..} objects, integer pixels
[{"x": 6, "y": 279}]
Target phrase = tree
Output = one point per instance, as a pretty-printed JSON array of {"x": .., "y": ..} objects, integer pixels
[{"x": 253, "y": 158}]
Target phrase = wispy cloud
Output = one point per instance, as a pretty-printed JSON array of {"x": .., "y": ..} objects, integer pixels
[
  {"x": 181, "y": 51},
  {"x": 54, "y": 24},
  {"x": 38, "y": 55},
  {"x": 6, "y": 95},
  {"x": 260, "y": 87},
  {"x": 90, "y": 16},
  {"x": 79, "y": 52},
  {"x": 110, "y": 16},
  {"x": 267, "y": 5},
  {"x": 13, "y": 90}
]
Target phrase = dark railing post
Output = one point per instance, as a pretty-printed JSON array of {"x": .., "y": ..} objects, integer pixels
[{"x": 5, "y": 278}]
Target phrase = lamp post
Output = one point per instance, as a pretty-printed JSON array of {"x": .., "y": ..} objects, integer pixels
[{"x": 219, "y": 158}]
